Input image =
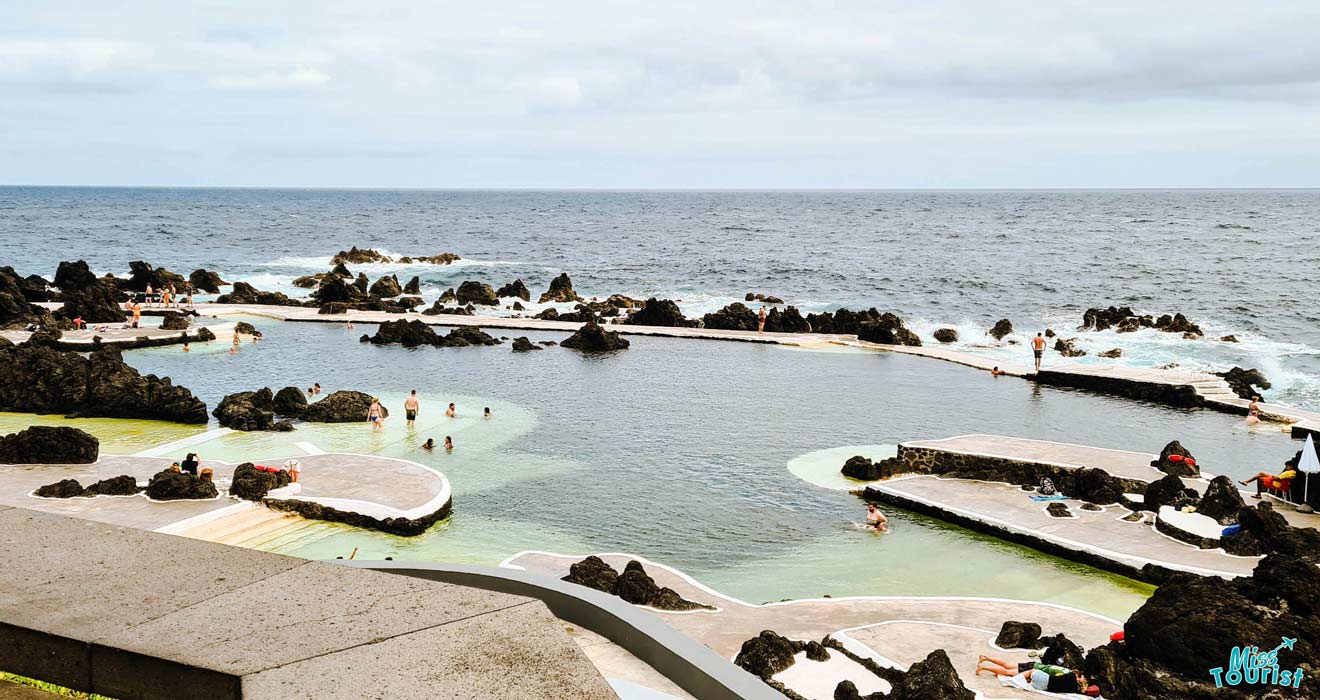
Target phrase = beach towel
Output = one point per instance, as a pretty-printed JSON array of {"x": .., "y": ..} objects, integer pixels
[
  {"x": 1021, "y": 683},
  {"x": 1054, "y": 497}
]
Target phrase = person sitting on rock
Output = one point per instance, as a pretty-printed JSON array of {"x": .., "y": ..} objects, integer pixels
[
  {"x": 875, "y": 519},
  {"x": 190, "y": 463},
  {"x": 1051, "y": 679},
  {"x": 1278, "y": 482},
  {"x": 79, "y": 324}
]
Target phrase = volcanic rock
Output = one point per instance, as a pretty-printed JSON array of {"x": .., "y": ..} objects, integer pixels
[
  {"x": 1001, "y": 328},
  {"x": 387, "y": 286},
  {"x": 175, "y": 322},
  {"x": 841, "y": 321},
  {"x": 170, "y": 485},
  {"x": 1018, "y": 635},
  {"x": 1111, "y": 354},
  {"x": 64, "y": 488},
  {"x": 359, "y": 256},
  {"x": 441, "y": 259},
  {"x": 593, "y": 338},
  {"x": 414, "y": 286},
  {"x": 1246, "y": 383},
  {"x": 1178, "y": 466},
  {"x": 522, "y": 344},
  {"x": 439, "y": 308},
  {"x": 860, "y": 468},
  {"x": 247, "y": 410},
  {"x": 471, "y": 292},
  {"x": 244, "y": 293},
  {"x": 561, "y": 290},
  {"x": 341, "y": 407},
  {"x": 1068, "y": 347},
  {"x": 734, "y": 317},
  {"x": 1222, "y": 501},
  {"x": 593, "y": 572},
  {"x": 409, "y": 334},
  {"x": 1061, "y": 651},
  {"x": 636, "y": 586},
  {"x": 1058, "y": 510},
  {"x": 659, "y": 312},
  {"x": 35, "y": 288},
  {"x": 141, "y": 274},
  {"x": 888, "y": 329},
  {"x": 122, "y": 485},
  {"x": 205, "y": 281},
  {"x": 766, "y": 654},
  {"x": 290, "y": 401},
  {"x": 946, "y": 335},
  {"x": 1229, "y": 339},
  {"x": 1168, "y": 491},
  {"x": 252, "y": 484},
  {"x": 94, "y": 299},
  {"x": 787, "y": 320},
  {"x": 465, "y": 336},
  {"x": 515, "y": 288},
  {"x": 337, "y": 289},
  {"x": 16, "y": 311},
  {"x": 49, "y": 445}
]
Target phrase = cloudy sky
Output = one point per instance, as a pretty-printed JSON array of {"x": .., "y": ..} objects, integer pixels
[{"x": 718, "y": 93}]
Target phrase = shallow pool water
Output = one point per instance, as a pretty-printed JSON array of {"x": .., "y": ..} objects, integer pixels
[{"x": 679, "y": 451}]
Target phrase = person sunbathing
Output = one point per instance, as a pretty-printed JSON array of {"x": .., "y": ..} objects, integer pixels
[
  {"x": 1279, "y": 482},
  {"x": 1046, "y": 677}
]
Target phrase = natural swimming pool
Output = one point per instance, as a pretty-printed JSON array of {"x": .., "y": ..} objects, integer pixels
[{"x": 677, "y": 450}]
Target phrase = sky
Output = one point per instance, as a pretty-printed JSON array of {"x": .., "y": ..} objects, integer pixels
[{"x": 670, "y": 94}]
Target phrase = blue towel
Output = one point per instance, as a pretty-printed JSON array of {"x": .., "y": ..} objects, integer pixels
[{"x": 1054, "y": 497}]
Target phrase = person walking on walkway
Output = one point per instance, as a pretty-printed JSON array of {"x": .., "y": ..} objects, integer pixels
[
  {"x": 1038, "y": 348},
  {"x": 410, "y": 407},
  {"x": 760, "y": 320}
]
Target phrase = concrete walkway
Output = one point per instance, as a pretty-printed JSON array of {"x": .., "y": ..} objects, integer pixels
[
  {"x": 132, "y": 614},
  {"x": 894, "y": 631}
]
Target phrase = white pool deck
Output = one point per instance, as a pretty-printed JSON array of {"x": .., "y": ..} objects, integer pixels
[{"x": 892, "y": 630}]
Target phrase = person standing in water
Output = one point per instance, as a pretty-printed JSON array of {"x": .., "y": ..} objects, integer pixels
[
  {"x": 450, "y": 411},
  {"x": 374, "y": 415},
  {"x": 760, "y": 320},
  {"x": 1253, "y": 411},
  {"x": 1038, "y": 348},
  {"x": 487, "y": 414},
  {"x": 449, "y": 444},
  {"x": 875, "y": 519},
  {"x": 410, "y": 407}
]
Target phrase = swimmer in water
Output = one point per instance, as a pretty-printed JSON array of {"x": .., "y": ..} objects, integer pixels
[
  {"x": 450, "y": 411},
  {"x": 875, "y": 519},
  {"x": 449, "y": 444},
  {"x": 1253, "y": 411}
]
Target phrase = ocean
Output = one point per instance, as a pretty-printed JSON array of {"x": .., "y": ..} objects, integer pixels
[{"x": 1240, "y": 262}]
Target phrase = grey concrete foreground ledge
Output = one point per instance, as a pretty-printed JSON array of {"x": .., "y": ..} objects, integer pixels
[{"x": 145, "y": 616}]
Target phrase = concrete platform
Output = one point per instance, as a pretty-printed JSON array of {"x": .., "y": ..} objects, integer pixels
[
  {"x": 377, "y": 487},
  {"x": 178, "y": 619},
  {"x": 149, "y": 335},
  {"x": 894, "y": 631}
]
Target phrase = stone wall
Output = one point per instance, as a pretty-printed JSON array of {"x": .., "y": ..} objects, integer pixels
[
  {"x": 1087, "y": 484},
  {"x": 1181, "y": 395}
]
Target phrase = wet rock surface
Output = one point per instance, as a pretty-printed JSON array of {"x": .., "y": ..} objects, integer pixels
[
  {"x": 861, "y": 468},
  {"x": 1018, "y": 635},
  {"x": 946, "y": 335},
  {"x": 341, "y": 407},
  {"x": 516, "y": 289},
  {"x": 205, "y": 281},
  {"x": 252, "y": 484},
  {"x": 387, "y": 286},
  {"x": 170, "y": 485},
  {"x": 471, "y": 292},
  {"x": 660, "y": 312},
  {"x": 290, "y": 401},
  {"x": 247, "y": 410},
  {"x": 887, "y": 329},
  {"x": 85, "y": 296},
  {"x": 244, "y": 293},
  {"x": 634, "y": 585},
  {"x": 592, "y": 338},
  {"x": 49, "y": 445},
  {"x": 523, "y": 344},
  {"x": 1246, "y": 383},
  {"x": 561, "y": 290},
  {"x": 1177, "y": 460},
  {"x": 1068, "y": 347},
  {"x": 1001, "y": 328}
]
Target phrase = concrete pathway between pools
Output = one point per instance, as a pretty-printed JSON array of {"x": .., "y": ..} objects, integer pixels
[
  {"x": 896, "y": 631},
  {"x": 140, "y": 615}
]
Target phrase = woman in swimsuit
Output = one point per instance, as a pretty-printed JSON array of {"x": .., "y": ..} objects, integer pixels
[
  {"x": 374, "y": 415},
  {"x": 1253, "y": 411}
]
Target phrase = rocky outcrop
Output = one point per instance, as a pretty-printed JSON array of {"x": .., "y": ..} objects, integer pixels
[
  {"x": 888, "y": 329},
  {"x": 1246, "y": 383},
  {"x": 141, "y": 274},
  {"x": 1111, "y": 354},
  {"x": 36, "y": 377},
  {"x": 946, "y": 335},
  {"x": 1058, "y": 510},
  {"x": 175, "y": 322},
  {"x": 1222, "y": 501},
  {"x": 787, "y": 320},
  {"x": 387, "y": 286},
  {"x": 593, "y": 338},
  {"x": 842, "y": 321},
  {"x": 252, "y": 484},
  {"x": 1264, "y": 530},
  {"x": 341, "y": 407},
  {"x": 205, "y": 281},
  {"x": 561, "y": 290},
  {"x": 85, "y": 296},
  {"x": 634, "y": 585},
  {"x": 523, "y": 344},
  {"x": 734, "y": 317},
  {"x": 465, "y": 336},
  {"x": 403, "y": 527},
  {"x": 1168, "y": 491},
  {"x": 1018, "y": 635},
  {"x": 660, "y": 312},
  {"x": 763, "y": 298},
  {"x": 248, "y": 410},
  {"x": 414, "y": 286},
  {"x": 170, "y": 485},
  {"x": 1124, "y": 320},
  {"x": 932, "y": 678},
  {"x": 1068, "y": 347},
  {"x": 1001, "y": 328},
  {"x": 359, "y": 256},
  {"x": 64, "y": 488},
  {"x": 472, "y": 292},
  {"x": 35, "y": 288},
  {"x": 860, "y": 468},
  {"x": 336, "y": 289},
  {"x": 409, "y": 334},
  {"x": 16, "y": 311},
  {"x": 439, "y": 308},
  {"x": 290, "y": 401},
  {"x": 515, "y": 288},
  {"x": 244, "y": 293},
  {"x": 767, "y": 654},
  {"x": 440, "y": 259},
  {"x": 49, "y": 445},
  {"x": 1177, "y": 460}
]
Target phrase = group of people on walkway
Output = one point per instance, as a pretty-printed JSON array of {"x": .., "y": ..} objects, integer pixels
[{"x": 168, "y": 297}]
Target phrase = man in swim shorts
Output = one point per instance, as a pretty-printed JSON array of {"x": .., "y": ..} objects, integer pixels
[
  {"x": 1038, "y": 348},
  {"x": 410, "y": 407}
]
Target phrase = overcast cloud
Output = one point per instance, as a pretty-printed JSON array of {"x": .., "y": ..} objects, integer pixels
[{"x": 661, "y": 94}]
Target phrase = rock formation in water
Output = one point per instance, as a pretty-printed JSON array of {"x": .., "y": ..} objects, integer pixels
[
  {"x": 386, "y": 286},
  {"x": 252, "y": 484},
  {"x": 414, "y": 333},
  {"x": 888, "y": 329},
  {"x": 414, "y": 286},
  {"x": 123, "y": 485},
  {"x": 341, "y": 407},
  {"x": 290, "y": 401},
  {"x": 95, "y": 300},
  {"x": 1222, "y": 501},
  {"x": 734, "y": 317},
  {"x": 205, "y": 281},
  {"x": 1246, "y": 383},
  {"x": 634, "y": 585},
  {"x": 472, "y": 292},
  {"x": 170, "y": 485},
  {"x": 250, "y": 410},
  {"x": 523, "y": 344},
  {"x": 946, "y": 335},
  {"x": 175, "y": 322},
  {"x": 861, "y": 468},
  {"x": 515, "y": 288},
  {"x": 36, "y": 377},
  {"x": 787, "y": 320},
  {"x": 1124, "y": 320},
  {"x": 16, "y": 309},
  {"x": 1068, "y": 347},
  {"x": 1001, "y": 328},
  {"x": 1177, "y": 460},
  {"x": 49, "y": 445},
  {"x": 359, "y": 256},
  {"x": 142, "y": 273},
  {"x": 593, "y": 338},
  {"x": 561, "y": 290},
  {"x": 244, "y": 293}
]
